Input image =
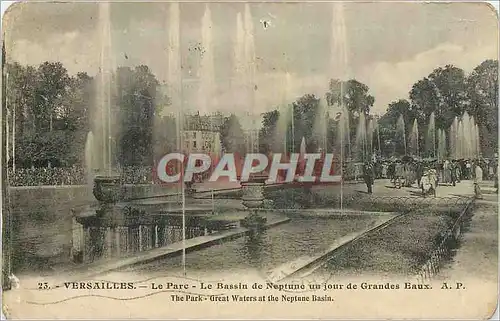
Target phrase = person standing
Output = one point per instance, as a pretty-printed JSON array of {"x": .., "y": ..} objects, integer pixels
[
  {"x": 398, "y": 174},
  {"x": 433, "y": 180},
  {"x": 419, "y": 172},
  {"x": 446, "y": 172},
  {"x": 384, "y": 170},
  {"x": 468, "y": 172},
  {"x": 368, "y": 176},
  {"x": 458, "y": 171},
  {"x": 453, "y": 172},
  {"x": 391, "y": 171},
  {"x": 478, "y": 178}
]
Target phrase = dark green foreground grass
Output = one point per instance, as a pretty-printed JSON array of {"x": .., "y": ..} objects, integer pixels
[{"x": 401, "y": 248}]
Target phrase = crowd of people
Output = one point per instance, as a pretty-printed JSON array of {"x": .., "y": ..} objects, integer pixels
[{"x": 429, "y": 174}]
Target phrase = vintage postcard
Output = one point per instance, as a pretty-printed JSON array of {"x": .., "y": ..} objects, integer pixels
[{"x": 257, "y": 160}]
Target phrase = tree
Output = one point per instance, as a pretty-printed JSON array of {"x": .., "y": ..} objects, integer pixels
[
  {"x": 72, "y": 109},
  {"x": 450, "y": 82},
  {"x": 355, "y": 97},
  {"x": 443, "y": 93},
  {"x": 20, "y": 91},
  {"x": 395, "y": 110},
  {"x": 390, "y": 134},
  {"x": 424, "y": 98},
  {"x": 352, "y": 93},
  {"x": 165, "y": 137},
  {"x": 50, "y": 108},
  {"x": 305, "y": 111},
  {"x": 232, "y": 136},
  {"x": 52, "y": 83},
  {"x": 136, "y": 103},
  {"x": 482, "y": 89},
  {"x": 266, "y": 134}
]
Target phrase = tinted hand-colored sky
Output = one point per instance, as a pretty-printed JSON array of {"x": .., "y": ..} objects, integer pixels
[{"x": 389, "y": 45}]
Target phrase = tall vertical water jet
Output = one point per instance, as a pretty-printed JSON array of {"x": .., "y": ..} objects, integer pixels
[
  {"x": 339, "y": 70},
  {"x": 401, "y": 133},
  {"x": 347, "y": 131},
  {"x": 207, "y": 95},
  {"x": 473, "y": 132},
  {"x": 343, "y": 133},
  {"x": 89, "y": 158},
  {"x": 321, "y": 120},
  {"x": 253, "y": 189},
  {"x": 174, "y": 77},
  {"x": 369, "y": 136},
  {"x": 377, "y": 129},
  {"x": 477, "y": 140},
  {"x": 206, "y": 70},
  {"x": 249, "y": 45},
  {"x": 414, "y": 139},
  {"x": 238, "y": 81},
  {"x": 360, "y": 139},
  {"x": 460, "y": 140},
  {"x": 100, "y": 151},
  {"x": 101, "y": 122},
  {"x": 466, "y": 136},
  {"x": 444, "y": 144},
  {"x": 441, "y": 145},
  {"x": 473, "y": 139},
  {"x": 430, "y": 140},
  {"x": 472, "y": 126},
  {"x": 176, "y": 96},
  {"x": 453, "y": 138},
  {"x": 285, "y": 115}
]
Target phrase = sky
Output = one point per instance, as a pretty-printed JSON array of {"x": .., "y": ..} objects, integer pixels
[{"x": 386, "y": 45}]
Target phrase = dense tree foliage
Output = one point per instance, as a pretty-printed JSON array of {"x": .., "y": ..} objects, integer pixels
[
  {"x": 53, "y": 112},
  {"x": 233, "y": 136},
  {"x": 136, "y": 98},
  {"x": 482, "y": 91},
  {"x": 448, "y": 92}
]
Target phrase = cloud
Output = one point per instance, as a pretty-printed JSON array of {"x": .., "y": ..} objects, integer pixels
[
  {"x": 74, "y": 50},
  {"x": 388, "y": 81},
  {"x": 393, "y": 81}
]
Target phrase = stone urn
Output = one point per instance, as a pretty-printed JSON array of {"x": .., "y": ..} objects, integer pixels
[
  {"x": 108, "y": 189},
  {"x": 253, "y": 191}
]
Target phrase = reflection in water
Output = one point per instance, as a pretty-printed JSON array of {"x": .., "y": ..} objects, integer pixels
[
  {"x": 254, "y": 245},
  {"x": 95, "y": 245},
  {"x": 102, "y": 239},
  {"x": 273, "y": 247}
]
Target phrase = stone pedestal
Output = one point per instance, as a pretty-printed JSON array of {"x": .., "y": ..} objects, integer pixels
[
  {"x": 109, "y": 224},
  {"x": 253, "y": 200}
]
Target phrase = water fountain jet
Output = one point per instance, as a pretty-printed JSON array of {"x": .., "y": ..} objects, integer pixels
[
  {"x": 361, "y": 139},
  {"x": 414, "y": 139},
  {"x": 430, "y": 141},
  {"x": 401, "y": 131}
]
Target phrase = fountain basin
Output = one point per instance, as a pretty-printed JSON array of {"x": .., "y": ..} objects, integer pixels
[{"x": 108, "y": 189}]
